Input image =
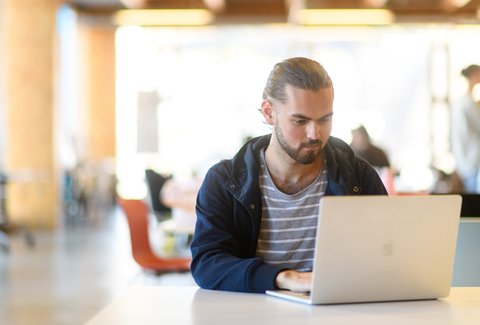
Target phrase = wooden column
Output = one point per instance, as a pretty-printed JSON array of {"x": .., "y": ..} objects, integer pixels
[
  {"x": 29, "y": 51},
  {"x": 98, "y": 85}
]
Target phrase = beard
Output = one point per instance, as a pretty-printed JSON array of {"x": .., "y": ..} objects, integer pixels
[{"x": 306, "y": 158}]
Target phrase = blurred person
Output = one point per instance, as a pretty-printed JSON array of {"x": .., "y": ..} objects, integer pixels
[
  {"x": 180, "y": 194},
  {"x": 362, "y": 146},
  {"x": 257, "y": 212},
  {"x": 466, "y": 132}
]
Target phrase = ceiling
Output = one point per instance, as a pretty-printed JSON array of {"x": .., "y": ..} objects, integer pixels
[{"x": 404, "y": 10}]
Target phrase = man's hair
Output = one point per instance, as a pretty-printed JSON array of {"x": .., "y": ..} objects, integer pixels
[
  {"x": 470, "y": 70},
  {"x": 298, "y": 72}
]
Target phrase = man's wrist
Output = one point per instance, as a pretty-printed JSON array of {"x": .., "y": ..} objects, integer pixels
[
  {"x": 294, "y": 280},
  {"x": 282, "y": 278}
]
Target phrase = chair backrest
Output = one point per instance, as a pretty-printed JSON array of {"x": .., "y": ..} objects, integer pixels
[
  {"x": 155, "y": 183},
  {"x": 136, "y": 212}
]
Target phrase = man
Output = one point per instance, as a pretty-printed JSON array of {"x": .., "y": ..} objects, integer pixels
[
  {"x": 466, "y": 132},
  {"x": 257, "y": 213}
]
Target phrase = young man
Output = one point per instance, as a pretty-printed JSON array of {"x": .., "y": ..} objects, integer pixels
[
  {"x": 466, "y": 132},
  {"x": 257, "y": 213}
]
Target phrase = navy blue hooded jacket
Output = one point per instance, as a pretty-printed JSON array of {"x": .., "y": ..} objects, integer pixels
[{"x": 229, "y": 210}]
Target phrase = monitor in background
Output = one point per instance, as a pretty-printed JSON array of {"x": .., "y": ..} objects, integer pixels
[{"x": 470, "y": 205}]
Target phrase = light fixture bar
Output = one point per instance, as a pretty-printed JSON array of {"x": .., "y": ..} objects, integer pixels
[
  {"x": 163, "y": 17},
  {"x": 344, "y": 17}
]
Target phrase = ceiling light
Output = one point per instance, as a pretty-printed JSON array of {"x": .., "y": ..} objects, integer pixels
[
  {"x": 344, "y": 17},
  {"x": 458, "y": 3},
  {"x": 163, "y": 17}
]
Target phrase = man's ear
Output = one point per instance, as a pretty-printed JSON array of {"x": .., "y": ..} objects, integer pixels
[{"x": 267, "y": 111}]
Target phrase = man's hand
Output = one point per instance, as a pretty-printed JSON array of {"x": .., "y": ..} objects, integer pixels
[{"x": 294, "y": 280}]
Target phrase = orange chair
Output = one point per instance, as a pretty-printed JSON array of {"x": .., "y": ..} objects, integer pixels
[{"x": 137, "y": 216}]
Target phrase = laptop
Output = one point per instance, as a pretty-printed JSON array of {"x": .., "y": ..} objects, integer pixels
[{"x": 382, "y": 248}]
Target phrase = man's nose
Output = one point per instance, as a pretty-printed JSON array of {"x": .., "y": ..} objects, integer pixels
[{"x": 313, "y": 131}]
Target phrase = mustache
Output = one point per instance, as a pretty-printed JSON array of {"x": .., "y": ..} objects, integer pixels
[{"x": 313, "y": 143}]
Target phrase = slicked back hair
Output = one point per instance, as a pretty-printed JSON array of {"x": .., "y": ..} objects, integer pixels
[{"x": 298, "y": 72}]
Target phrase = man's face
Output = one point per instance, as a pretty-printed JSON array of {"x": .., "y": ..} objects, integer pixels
[
  {"x": 303, "y": 124},
  {"x": 476, "y": 77}
]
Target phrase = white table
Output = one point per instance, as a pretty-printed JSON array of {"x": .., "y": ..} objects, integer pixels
[{"x": 191, "y": 305}]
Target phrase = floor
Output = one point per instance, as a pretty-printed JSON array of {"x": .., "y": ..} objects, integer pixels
[{"x": 68, "y": 275}]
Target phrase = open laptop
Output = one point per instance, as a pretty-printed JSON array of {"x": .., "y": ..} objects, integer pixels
[{"x": 382, "y": 248}]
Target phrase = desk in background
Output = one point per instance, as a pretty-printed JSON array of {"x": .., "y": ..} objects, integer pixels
[
  {"x": 191, "y": 305},
  {"x": 466, "y": 271}
]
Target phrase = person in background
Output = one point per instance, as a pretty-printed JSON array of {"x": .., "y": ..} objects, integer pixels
[
  {"x": 181, "y": 195},
  {"x": 362, "y": 146},
  {"x": 257, "y": 212},
  {"x": 465, "y": 132}
]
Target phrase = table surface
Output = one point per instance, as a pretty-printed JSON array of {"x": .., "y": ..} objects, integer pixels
[{"x": 191, "y": 305}]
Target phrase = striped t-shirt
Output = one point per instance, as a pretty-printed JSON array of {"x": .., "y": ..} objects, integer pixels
[{"x": 289, "y": 222}]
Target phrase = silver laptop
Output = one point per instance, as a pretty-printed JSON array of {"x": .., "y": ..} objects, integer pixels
[{"x": 381, "y": 248}]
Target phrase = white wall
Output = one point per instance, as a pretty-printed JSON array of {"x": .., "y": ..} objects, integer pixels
[{"x": 210, "y": 81}]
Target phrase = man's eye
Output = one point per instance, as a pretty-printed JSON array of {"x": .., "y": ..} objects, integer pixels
[{"x": 299, "y": 122}]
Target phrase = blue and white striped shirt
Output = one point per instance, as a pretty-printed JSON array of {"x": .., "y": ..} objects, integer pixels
[{"x": 289, "y": 222}]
